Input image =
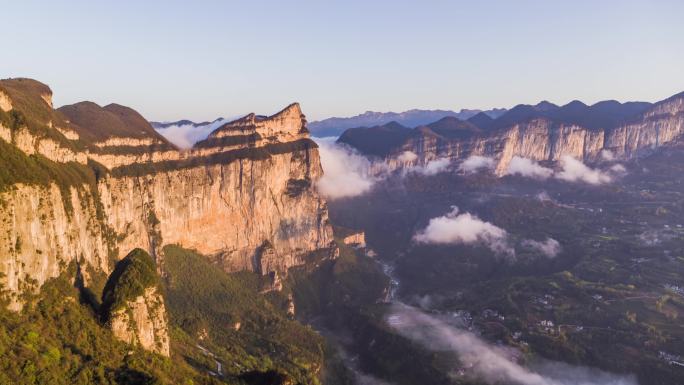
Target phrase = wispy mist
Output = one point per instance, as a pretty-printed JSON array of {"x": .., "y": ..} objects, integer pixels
[
  {"x": 483, "y": 361},
  {"x": 407, "y": 156},
  {"x": 550, "y": 247},
  {"x": 528, "y": 168},
  {"x": 433, "y": 167},
  {"x": 574, "y": 170},
  {"x": 346, "y": 173},
  {"x": 186, "y": 135},
  {"x": 476, "y": 163}
]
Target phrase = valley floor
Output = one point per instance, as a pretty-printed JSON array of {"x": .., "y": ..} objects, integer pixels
[{"x": 607, "y": 306}]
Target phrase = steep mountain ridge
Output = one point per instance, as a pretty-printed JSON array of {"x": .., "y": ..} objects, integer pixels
[
  {"x": 544, "y": 132},
  {"x": 123, "y": 186},
  {"x": 411, "y": 118},
  {"x": 182, "y": 122}
]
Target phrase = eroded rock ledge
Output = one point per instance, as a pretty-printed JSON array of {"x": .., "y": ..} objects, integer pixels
[{"x": 114, "y": 184}]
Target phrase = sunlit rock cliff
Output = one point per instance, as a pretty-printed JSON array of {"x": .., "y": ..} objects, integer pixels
[
  {"x": 544, "y": 132},
  {"x": 92, "y": 183}
]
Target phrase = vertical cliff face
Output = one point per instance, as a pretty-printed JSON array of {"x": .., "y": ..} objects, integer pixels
[
  {"x": 540, "y": 138},
  {"x": 227, "y": 210},
  {"x": 44, "y": 229},
  {"x": 132, "y": 305},
  {"x": 143, "y": 322},
  {"x": 92, "y": 183}
]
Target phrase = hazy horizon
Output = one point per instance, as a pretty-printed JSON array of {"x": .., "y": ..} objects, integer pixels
[{"x": 170, "y": 61}]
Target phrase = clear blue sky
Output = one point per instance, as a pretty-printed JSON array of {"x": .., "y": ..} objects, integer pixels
[{"x": 203, "y": 59}]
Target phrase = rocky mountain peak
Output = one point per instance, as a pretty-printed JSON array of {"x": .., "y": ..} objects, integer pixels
[
  {"x": 104, "y": 126},
  {"x": 545, "y": 105},
  {"x": 284, "y": 126},
  {"x": 673, "y": 105},
  {"x": 28, "y": 88},
  {"x": 132, "y": 304}
]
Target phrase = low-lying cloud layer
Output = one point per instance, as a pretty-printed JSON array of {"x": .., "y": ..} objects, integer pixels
[
  {"x": 528, "y": 168},
  {"x": 574, "y": 171},
  {"x": 407, "y": 156},
  {"x": 346, "y": 173},
  {"x": 465, "y": 228},
  {"x": 550, "y": 248},
  {"x": 433, "y": 167},
  {"x": 186, "y": 135},
  {"x": 491, "y": 364},
  {"x": 607, "y": 155},
  {"x": 476, "y": 163}
]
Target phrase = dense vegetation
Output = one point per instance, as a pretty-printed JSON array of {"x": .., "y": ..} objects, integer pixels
[
  {"x": 95, "y": 124},
  {"x": 131, "y": 276},
  {"x": 57, "y": 339},
  {"x": 340, "y": 296},
  {"x": 613, "y": 293},
  {"x": 32, "y": 112},
  {"x": 227, "y": 315},
  {"x": 17, "y": 167}
]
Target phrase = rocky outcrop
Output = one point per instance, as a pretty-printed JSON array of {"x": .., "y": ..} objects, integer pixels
[
  {"x": 143, "y": 321},
  {"x": 248, "y": 185},
  {"x": 132, "y": 305},
  {"x": 545, "y": 139},
  {"x": 357, "y": 239},
  {"x": 31, "y": 144},
  {"x": 5, "y": 133},
  {"x": 5, "y": 102}
]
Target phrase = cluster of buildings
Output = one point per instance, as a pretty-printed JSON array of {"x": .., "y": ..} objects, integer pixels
[
  {"x": 671, "y": 359},
  {"x": 674, "y": 288}
]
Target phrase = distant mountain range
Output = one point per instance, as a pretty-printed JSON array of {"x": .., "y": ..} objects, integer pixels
[
  {"x": 606, "y": 114},
  {"x": 185, "y": 133},
  {"x": 184, "y": 122},
  {"x": 411, "y": 118},
  {"x": 544, "y": 132}
]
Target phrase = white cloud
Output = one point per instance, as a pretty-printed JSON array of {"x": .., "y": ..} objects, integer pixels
[
  {"x": 618, "y": 168},
  {"x": 528, "y": 168},
  {"x": 455, "y": 228},
  {"x": 607, "y": 155},
  {"x": 574, "y": 171},
  {"x": 186, "y": 135},
  {"x": 491, "y": 364},
  {"x": 433, "y": 167},
  {"x": 543, "y": 196},
  {"x": 475, "y": 163},
  {"x": 549, "y": 248},
  {"x": 346, "y": 173},
  {"x": 407, "y": 156}
]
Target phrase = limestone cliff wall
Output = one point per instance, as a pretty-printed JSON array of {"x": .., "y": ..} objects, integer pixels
[
  {"x": 543, "y": 140},
  {"x": 224, "y": 210},
  {"x": 41, "y": 231},
  {"x": 224, "y": 202},
  {"x": 143, "y": 322}
]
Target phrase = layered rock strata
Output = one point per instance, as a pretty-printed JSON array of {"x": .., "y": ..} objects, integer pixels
[{"x": 123, "y": 186}]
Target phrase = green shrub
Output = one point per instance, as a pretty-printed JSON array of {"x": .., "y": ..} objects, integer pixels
[{"x": 131, "y": 276}]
